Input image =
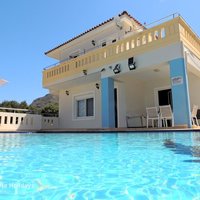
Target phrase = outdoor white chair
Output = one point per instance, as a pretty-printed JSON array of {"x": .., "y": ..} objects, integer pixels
[
  {"x": 166, "y": 114},
  {"x": 152, "y": 115},
  {"x": 194, "y": 115}
]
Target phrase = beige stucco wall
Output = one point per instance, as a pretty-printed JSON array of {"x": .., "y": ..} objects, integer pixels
[
  {"x": 66, "y": 112},
  {"x": 134, "y": 96},
  {"x": 140, "y": 94},
  {"x": 194, "y": 89},
  {"x": 135, "y": 93},
  {"x": 151, "y": 89}
]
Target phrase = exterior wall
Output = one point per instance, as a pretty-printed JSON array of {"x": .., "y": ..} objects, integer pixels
[
  {"x": 18, "y": 121},
  {"x": 84, "y": 44},
  {"x": 26, "y": 122},
  {"x": 194, "y": 85},
  {"x": 151, "y": 89},
  {"x": 156, "y": 47},
  {"x": 50, "y": 122},
  {"x": 193, "y": 70},
  {"x": 146, "y": 60},
  {"x": 106, "y": 32},
  {"x": 66, "y": 112},
  {"x": 121, "y": 103},
  {"x": 139, "y": 95},
  {"x": 135, "y": 96},
  {"x": 138, "y": 44}
]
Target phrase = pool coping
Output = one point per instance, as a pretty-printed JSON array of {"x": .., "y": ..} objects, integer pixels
[
  {"x": 121, "y": 130},
  {"x": 106, "y": 130}
]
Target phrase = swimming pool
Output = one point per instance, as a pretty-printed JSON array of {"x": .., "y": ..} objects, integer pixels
[{"x": 137, "y": 166}]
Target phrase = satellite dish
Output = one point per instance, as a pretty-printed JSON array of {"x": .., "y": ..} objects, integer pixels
[{"x": 118, "y": 22}]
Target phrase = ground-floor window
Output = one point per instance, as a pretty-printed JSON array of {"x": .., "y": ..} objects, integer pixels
[{"x": 84, "y": 106}]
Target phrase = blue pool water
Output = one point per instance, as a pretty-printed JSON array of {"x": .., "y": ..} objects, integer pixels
[{"x": 135, "y": 166}]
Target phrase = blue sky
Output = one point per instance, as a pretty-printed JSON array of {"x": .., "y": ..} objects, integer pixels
[{"x": 31, "y": 27}]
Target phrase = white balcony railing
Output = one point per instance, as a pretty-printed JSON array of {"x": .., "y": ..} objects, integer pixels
[
  {"x": 146, "y": 40},
  {"x": 169, "y": 32}
]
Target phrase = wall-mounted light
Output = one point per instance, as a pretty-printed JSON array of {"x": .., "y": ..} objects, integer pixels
[
  {"x": 131, "y": 63},
  {"x": 85, "y": 72},
  {"x": 67, "y": 92},
  {"x": 93, "y": 42},
  {"x": 156, "y": 70},
  {"x": 117, "y": 69},
  {"x": 97, "y": 85},
  {"x": 103, "y": 69}
]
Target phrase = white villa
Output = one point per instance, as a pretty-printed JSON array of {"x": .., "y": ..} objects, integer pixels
[
  {"x": 119, "y": 68},
  {"x": 107, "y": 76}
]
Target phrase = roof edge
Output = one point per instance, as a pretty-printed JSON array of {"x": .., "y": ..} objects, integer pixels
[{"x": 95, "y": 27}]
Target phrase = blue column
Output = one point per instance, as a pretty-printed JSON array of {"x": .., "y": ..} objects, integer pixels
[
  {"x": 108, "y": 112},
  {"x": 180, "y": 92}
]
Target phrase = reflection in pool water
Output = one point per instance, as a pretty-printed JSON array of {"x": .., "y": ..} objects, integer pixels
[{"x": 100, "y": 166}]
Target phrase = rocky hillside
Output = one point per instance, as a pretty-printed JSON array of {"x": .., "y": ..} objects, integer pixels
[{"x": 41, "y": 102}]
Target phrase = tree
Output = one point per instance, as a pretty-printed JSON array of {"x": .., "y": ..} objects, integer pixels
[
  {"x": 23, "y": 105},
  {"x": 9, "y": 104},
  {"x": 50, "y": 110},
  {"x": 13, "y": 104}
]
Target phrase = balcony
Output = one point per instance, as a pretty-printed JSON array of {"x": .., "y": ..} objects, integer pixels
[{"x": 169, "y": 32}]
